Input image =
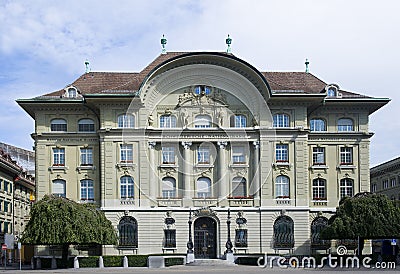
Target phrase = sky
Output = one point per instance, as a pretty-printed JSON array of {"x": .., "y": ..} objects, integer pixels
[{"x": 355, "y": 44}]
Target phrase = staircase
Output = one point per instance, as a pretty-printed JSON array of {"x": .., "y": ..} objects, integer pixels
[{"x": 211, "y": 262}]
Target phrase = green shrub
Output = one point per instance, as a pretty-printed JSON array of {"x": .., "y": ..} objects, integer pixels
[
  {"x": 173, "y": 261},
  {"x": 113, "y": 261},
  {"x": 91, "y": 261},
  {"x": 137, "y": 260},
  {"x": 45, "y": 263}
]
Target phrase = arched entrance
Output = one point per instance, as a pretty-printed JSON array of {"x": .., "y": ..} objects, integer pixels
[{"x": 205, "y": 238}]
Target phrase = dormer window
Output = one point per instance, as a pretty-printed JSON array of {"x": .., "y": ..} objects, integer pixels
[
  {"x": 71, "y": 92},
  {"x": 332, "y": 90}
]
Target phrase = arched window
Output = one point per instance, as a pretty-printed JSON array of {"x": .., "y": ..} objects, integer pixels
[
  {"x": 167, "y": 121},
  {"x": 58, "y": 125},
  {"x": 281, "y": 120},
  {"x": 202, "y": 121},
  {"x": 283, "y": 232},
  {"x": 345, "y": 124},
  {"x": 346, "y": 187},
  {"x": 239, "y": 188},
  {"x": 71, "y": 92},
  {"x": 203, "y": 187},
  {"x": 319, "y": 189},
  {"x": 238, "y": 120},
  {"x": 126, "y": 121},
  {"x": 282, "y": 187},
  {"x": 87, "y": 190},
  {"x": 168, "y": 187},
  {"x": 317, "y": 225},
  {"x": 59, "y": 188},
  {"x": 86, "y": 125},
  {"x": 128, "y": 232},
  {"x": 127, "y": 187},
  {"x": 317, "y": 125}
]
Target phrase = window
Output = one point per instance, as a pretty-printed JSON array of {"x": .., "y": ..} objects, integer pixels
[
  {"x": 72, "y": 93},
  {"x": 87, "y": 190},
  {"x": 331, "y": 92},
  {"x": 319, "y": 189},
  {"x": 6, "y": 204},
  {"x": 127, "y": 187},
  {"x": 283, "y": 232},
  {"x": 6, "y": 183},
  {"x": 59, "y": 188},
  {"x": 282, "y": 187},
  {"x": 241, "y": 237},
  {"x": 6, "y": 225},
  {"x": 168, "y": 187},
  {"x": 168, "y": 155},
  {"x": 203, "y": 155},
  {"x": 374, "y": 188},
  {"x": 126, "y": 153},
  {"x": 281, "y": 120},
  {"x": 128, "y": 232},
  {"x": 58, "y": 156},
  {"x": 385, "y": 184},
  {"x": 86, "y": 125},
  {"x": 318, "y": 156},
  {"x": 346, "y": 187},
  {"x": 126, "y": 121},
  {"x": 58, "y": 125},
  {"x": 202, "y": 121},
  {"x": 169, "y": 238},
  {"x": 393, "y": 182},
  {"x": 317, "y": 225},
  {"x": 238, "y": 155},
  {"x": 346, "y": 155},
  {"x": 86, "y": 156},
  {"x": 238, "y": 120},
  {"x": 345, "y": 124},
  {"x": 202, "y": 90},
  {"x": 239, "y": 188},
  {"x": 282, "y": 153},
  {"x": 203, "y": 187},
  {"x": 167, "y": 121},
  {"x": 317, "y": 125}
]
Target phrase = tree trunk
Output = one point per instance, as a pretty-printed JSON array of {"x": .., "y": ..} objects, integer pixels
[{"x": 64, "y": 258}]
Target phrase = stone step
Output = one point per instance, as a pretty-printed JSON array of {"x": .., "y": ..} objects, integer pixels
[{"x": 211, "y": 262}]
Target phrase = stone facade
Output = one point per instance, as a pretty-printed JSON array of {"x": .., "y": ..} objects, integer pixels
[
  {"x": 208, "y": 138},
  {"x": 385, "y": 179}
]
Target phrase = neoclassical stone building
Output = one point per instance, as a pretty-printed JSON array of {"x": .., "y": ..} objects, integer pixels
[
  {"x": 385, "y": 179},
  {"x": 172, "y": 152}
]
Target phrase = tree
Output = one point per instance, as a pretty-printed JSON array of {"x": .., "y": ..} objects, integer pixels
[
  {"x": 60, "y": 221},
  {"x": 364, "y": 216}
]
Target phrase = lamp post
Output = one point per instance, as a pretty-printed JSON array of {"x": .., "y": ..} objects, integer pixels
[
  {"x": 190, "y": 254},
  {"x": 228, "y": 245}
]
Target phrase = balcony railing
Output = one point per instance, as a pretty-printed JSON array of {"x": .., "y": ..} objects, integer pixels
[
  {"x": 245, "y": 201},
  {"x": 127, "y": 202},
  {"x": 201, "y": 202},
  {"x": 283, "y": 201},
  {"x": 173, "y": 202}
]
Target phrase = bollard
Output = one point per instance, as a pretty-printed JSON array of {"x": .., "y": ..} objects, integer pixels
[
  {"x": 125, "y": 262},
  {"x": 101, "y": 262},
  {"x": 53, "y": 263},
  {"x": 76, "y": 262},
  {"x": 38, "y": 263}
]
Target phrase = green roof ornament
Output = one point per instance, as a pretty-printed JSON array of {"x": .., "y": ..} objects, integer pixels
[
  {"x": 307, "y": 63},
  {"x": 163, "y": 43},
  {"x": 87, "y": 69},
  {"x": 228, "y": 41}
]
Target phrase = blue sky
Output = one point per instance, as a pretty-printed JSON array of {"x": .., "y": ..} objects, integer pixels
[{"x": 44, "y": 44}]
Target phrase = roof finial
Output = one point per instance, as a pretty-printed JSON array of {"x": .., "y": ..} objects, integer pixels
[
  {"x": 163, "y": 43},
  {"x": 307, "y": 63},
  {"x": 87, "y": 69},
  {"x": 228, "y": 41}
]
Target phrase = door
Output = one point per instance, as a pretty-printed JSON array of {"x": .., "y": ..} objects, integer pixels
[{"x": 205, "y": 238}]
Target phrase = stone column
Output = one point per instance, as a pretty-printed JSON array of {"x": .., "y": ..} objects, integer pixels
[
  {"x": 256, "y": 167},
  {"x": 222, "y": 165},
  {"x": 187, "y": 166},
  {"x": 153, "y": 181}
]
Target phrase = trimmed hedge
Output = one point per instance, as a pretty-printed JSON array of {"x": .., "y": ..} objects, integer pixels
[
  {"x": 173, "y": 261},
  {"x": 113, "y": 261},
  {"x": 92, "y": 261},
  {"x": 137, "y": 260}
]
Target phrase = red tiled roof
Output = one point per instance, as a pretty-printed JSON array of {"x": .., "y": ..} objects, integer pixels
[{"x": 114, "y": 82}]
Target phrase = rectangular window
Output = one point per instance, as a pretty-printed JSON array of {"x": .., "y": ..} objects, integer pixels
[
  {"x": 86, "y": 157},
  {"x": 238, "y": 156},
  {"x": 346, "y": 155},
  {"x": 393, "y": 182},
  {"x": 6, "y": 225},
  {"x": 168, "y": 155},
  {"x": 58, "y": 156},
  {"x": 282, "y": 153},
  {"x": 318, "y": 156},
  {"x": 6, "y": 206},
  {"x": 373, "y": 188},
  {"x": 87, "y": 190},
  {"x": 126, "y": 153},
  {"x": 6, "y": 186},
  {"x": 241, "y": 238},
  {"x": 203, "y": 155},
  {"x": 385, "y": 184},
  {"x": 169, "y": 238},
  {"x": 240, "y": 121}
]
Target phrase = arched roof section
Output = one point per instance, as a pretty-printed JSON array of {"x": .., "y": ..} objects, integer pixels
[{"x": 220, "y": 70}]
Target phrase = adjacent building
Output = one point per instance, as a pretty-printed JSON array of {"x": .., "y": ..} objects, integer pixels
[
  {"x": 171, "y": 153},
  {"x": 385, "y": 179}
]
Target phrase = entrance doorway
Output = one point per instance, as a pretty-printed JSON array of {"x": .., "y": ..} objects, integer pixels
[{"x": 205, "y": 238}]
